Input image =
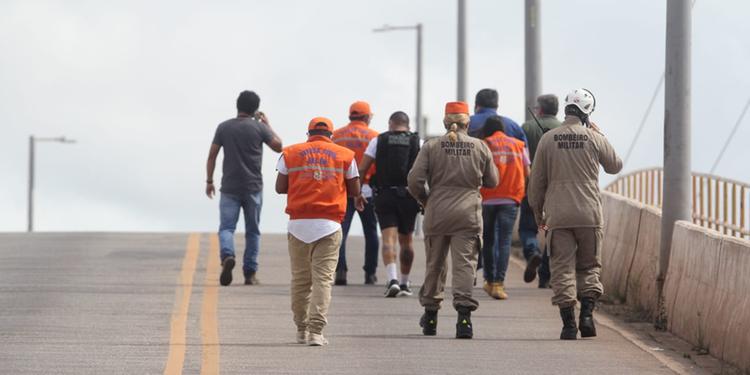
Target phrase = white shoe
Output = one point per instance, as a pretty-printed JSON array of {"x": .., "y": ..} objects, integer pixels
[
  {"x": 317, "y": 339},
  {"x": 393, "y": 289},
  {"x": 405, "y": 290},
  {"x": 302, "y": 337}
]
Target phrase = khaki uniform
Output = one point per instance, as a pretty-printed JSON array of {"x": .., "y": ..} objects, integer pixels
[
  {"x": 313, "y": 265},
  {"x": 453, "y": 173},
  {"x": 564, "y": 195}
]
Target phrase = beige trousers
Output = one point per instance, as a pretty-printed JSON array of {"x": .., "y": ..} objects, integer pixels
[
  {"x": 313, "y": 266},
  {"x": 575, "y": 264},
  {"x": 464, "y": 249}
]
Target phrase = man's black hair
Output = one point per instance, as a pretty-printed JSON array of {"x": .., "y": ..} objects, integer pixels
[
  {"x": 248, "y": 102},
  {"x": 399, "y": 117},
  {"x": 492, "y": 125},
  {"x": 487, "y": 98},
  {"x": 572, "y": 110},
  {"x": 548, "y": 104}
]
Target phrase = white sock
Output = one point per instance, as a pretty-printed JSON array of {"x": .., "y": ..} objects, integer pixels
[
  {"x": 392, "y": 271},
  {"x": 404, "y": 279}
]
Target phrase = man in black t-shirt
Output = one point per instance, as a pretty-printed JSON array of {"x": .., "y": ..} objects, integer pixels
[
  {"x": 242, "y": 139},
  {"x": 394, "y": 153}
]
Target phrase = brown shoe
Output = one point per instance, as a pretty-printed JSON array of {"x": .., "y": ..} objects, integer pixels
[
  {"x": 226, "y": 271},
  {"x": 488, "y": 287},
  {"x": 250, "y": 279},
  {"x": 498, "y": 291}
]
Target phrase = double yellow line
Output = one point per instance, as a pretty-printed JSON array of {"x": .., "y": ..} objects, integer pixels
[{"x": 209, "y": 323}]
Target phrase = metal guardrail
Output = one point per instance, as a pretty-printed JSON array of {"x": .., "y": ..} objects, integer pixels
[{"x": 718, "y": 203}]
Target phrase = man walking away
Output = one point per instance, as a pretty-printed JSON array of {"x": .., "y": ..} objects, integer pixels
[
  {"x": 454, "y": 166},
  {"x": 546, "y": 120},
  {"x": 356, "y": 136},
  {"x": 485, "y": 105},
  {"x": 242, "y": 139},
  {"x": 500, "y": 204},
  {"x": 317, "y": 176},
  {"x": 394, "y": 153},
  {"x": 564, "y": 195}
]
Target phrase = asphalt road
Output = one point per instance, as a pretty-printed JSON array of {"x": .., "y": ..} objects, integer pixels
[{"x": 149, "y": 303}]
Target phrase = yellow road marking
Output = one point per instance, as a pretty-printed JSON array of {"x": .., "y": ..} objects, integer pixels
[
  {"x": 209, "y": 321},
  {"x": 177, "y": 341}
]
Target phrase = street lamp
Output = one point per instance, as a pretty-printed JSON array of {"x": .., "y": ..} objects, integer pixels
[
  {"x": 461, "y": 53},
  {"x": 421, "y": 128},
  {"x": 32, "y": 141}
]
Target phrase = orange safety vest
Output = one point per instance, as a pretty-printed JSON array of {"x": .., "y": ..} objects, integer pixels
[
  {"x": 317, "y": 186},
  {"x": 507, "y": 154},
  {"x": 356, "y": 136}
]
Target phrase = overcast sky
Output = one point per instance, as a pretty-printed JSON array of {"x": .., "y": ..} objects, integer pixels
[{"x": 142, "y": 85}]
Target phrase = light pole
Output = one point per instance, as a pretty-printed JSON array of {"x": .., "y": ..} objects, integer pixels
[
  {"x": 461, "y": 79},
  {"x": 421, "y": 128},
  {"x": 532, "y": 56},
  {"x": 32, "y": 142},
  {"x": 677, "y": 98}
]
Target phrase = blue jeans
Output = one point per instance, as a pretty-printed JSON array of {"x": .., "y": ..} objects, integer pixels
[
  {"x": 229, "y": 213},
  {"x": 370, "y": 229},
  {"x": 527, "y": 231},
  {"x": 498, "y": 230}
]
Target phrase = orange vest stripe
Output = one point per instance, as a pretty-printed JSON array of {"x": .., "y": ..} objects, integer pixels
[
  {"x": 317, "y": 173},
  {"x": 508, "y": 155}
]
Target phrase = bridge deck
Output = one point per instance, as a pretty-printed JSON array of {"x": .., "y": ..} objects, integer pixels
[{"x": 105, "y": 303}]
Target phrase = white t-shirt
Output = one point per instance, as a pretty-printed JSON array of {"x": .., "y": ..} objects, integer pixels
[{"x": 311, "y": 230}]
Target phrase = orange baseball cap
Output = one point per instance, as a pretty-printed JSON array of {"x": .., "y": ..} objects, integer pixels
[
  {"x": 456, "y": 107},
  {"x": 320, "y": 123},
  {"x": 359, "y": 108}
]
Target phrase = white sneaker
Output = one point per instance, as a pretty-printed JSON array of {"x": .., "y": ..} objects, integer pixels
[
  {"x": 302, "y": 337},
  {"x": 405, "y": 290},
  {"x": 317, "y": 339},
  {"x": 393, "y": 289}
]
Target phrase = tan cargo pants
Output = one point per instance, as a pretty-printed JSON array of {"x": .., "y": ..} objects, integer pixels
[
  {"x": 313, "y": 266},
  {"x": 464, "y": 249},
  {"x": 575, "y": 264}
]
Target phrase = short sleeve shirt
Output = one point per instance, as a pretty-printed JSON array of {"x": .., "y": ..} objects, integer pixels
[{"x": 242, "y": 139}]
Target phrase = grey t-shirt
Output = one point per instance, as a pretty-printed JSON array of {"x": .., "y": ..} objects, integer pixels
[{"x": 242, "y": 139}]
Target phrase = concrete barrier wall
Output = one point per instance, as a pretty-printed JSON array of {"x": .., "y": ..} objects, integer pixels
[
  {"x": 732, "y": 299},
  {"x": 641, "y": 287},
  {"x": 707, "y": 290},
  {"x": 690, "y": 285},
  {"x": 622, "y": 218}
]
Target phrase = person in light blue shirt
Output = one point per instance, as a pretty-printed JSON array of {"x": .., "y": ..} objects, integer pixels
[{"x": 485, "y": 105}]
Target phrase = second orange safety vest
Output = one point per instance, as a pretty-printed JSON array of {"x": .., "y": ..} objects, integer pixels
[
  {"x": 356, "y": 136},
  {"x": 507, "y": 154}
]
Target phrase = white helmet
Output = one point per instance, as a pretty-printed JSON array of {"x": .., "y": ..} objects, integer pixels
[{"x": 583, "y": 99}]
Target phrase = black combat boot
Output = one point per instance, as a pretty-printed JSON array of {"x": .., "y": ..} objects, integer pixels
[
  {"x": 569, "y": 331},
  {"x": 463, "y": 325},
  {"x": 586, "y": 317},
  {"x": 428, "y": 322}
]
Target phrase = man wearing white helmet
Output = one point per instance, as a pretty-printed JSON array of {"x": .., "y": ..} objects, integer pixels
[{"x": 564, "y": 195}]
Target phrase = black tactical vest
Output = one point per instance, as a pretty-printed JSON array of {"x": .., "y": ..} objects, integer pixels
[{"x": 394, "y": 157}]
